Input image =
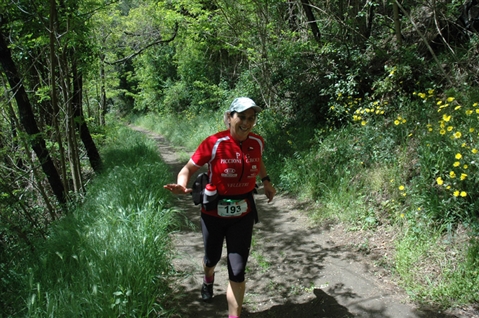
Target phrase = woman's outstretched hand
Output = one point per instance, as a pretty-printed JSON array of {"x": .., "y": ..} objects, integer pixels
[{"x": 177, "y": 188}]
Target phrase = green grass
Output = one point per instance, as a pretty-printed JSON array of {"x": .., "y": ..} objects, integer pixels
[
  {"x": 411, "y": 165},
  {"x": 112, "y": 255},
  {"x": 185, "y": 130},
  {"x": 439, "y": 269}
]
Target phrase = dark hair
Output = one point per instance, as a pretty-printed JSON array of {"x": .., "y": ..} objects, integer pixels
[{"x": 234, "y": 112}]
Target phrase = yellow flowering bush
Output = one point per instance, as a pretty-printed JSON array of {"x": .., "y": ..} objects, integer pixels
[
  {"x": 454, "y": 145},
  {"x": 445, "y": 138}
]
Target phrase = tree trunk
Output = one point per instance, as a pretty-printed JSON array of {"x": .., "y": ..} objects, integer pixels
[
  {"x": 102, "y": 103},
  {"x": 28, "y": 122},
  {"x": 80, "y": 123},
  {"x": 397, "y": 24},
  {"x": 311, "y": 20},
  {"x": 53, "y": 93},
  {"x": 363, "y": 14},
  {"x": 66, "y": 89}
]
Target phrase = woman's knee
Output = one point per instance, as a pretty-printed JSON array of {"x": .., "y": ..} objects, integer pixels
[
  {"x": 236, "y": 267},
  {"x": 211, "y": 261}
]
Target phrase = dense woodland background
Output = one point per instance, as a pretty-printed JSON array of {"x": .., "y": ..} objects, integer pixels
[{"x": 380, "y": 97}]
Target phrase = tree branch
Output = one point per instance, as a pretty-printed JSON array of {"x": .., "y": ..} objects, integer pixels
[{"x": 138, "y": 52}]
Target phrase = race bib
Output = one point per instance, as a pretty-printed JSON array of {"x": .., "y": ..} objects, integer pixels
[{"x": 228, "y": 208}]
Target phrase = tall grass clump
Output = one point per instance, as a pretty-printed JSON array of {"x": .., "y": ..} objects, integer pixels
[
  {"x": 438, "y": 269},
  {"x": 111, "y": 256}
]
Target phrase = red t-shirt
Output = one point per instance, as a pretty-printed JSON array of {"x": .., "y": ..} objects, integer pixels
[{"x": 232, "y": 165}]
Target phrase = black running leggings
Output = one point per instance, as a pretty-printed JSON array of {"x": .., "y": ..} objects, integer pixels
[{"x": 238, "y": 233}]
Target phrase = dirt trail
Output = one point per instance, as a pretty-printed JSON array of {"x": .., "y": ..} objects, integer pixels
[{"x": 295, "y": 269}]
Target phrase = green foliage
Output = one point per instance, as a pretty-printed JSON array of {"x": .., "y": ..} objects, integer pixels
[
  {"x": 111, "y": 256},
  {"x": 439, "y": 271},
  {"x": 156, "y": 73}
]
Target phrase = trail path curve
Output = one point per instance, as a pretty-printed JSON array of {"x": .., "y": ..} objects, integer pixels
[{"x": 296, "y": 269}]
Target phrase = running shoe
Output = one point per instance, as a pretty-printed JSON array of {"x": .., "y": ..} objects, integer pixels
[{"x": 206, "y": 291}]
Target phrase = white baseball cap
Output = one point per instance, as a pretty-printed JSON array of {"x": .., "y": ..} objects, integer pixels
[{"x": 241, "y": 104}]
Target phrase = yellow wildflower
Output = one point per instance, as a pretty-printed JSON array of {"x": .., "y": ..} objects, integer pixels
[{"x": 439, "y": 181}]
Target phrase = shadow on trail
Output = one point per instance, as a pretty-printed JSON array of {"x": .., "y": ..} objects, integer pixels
[{"x": 322, "y": 306}]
